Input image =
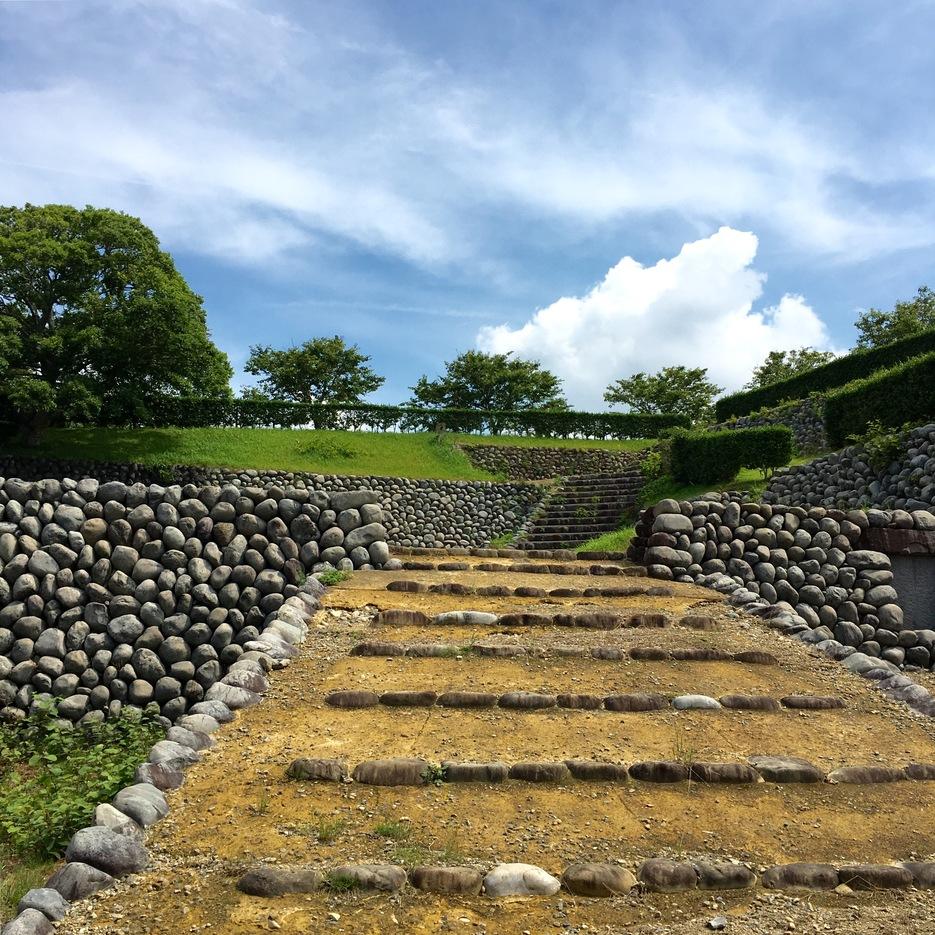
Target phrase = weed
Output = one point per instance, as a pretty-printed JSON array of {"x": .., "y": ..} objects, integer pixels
[
  {"x": 451, "y": 850},
  {"x": 411, "y": 855},
  {"x": 52, "y": 778},
  {"x": 328, "y": 830},
  {"x": 434, "y": 774},
  {"x": 683, "y": 749},
  {"x": 502, "y": 542},
  {"x": 394, "y": 830},
  {"x": 332, "y": 576},
  {"x": 262, "y": 803},
  {"x": 341, "y": 882}
]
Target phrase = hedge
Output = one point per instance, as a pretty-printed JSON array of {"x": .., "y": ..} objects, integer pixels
[
  {"x": 709, "y": 457},
  {"x": 893, "y": 397},
  {"x": 830, "y": 376},
  {"x": 186, "y": 412}
]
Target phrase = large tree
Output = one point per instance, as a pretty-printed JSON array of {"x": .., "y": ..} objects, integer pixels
[
  {"x": 877, "y": 328},
  {"x": 674, "y": 390},
  {"x": 490, "y": 382},
  {"x": 323, "y": 370},
  {"x": 94, "y": 314},
  {"x": 780, "y": 365}
]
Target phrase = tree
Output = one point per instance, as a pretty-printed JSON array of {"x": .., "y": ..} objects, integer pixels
[
  {"x": 674, "y": 390},
  {"x": 780, "y": 365},
  {"x": 906, "y": 319},
  {"x": 490, "y": 382},
  {"x": 94, "y": 316},
  {"x": 323, "y": 370}
]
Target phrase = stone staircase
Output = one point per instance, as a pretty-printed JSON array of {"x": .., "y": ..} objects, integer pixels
[{"x": 583, "y": 507}]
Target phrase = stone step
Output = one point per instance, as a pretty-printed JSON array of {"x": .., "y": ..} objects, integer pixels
[
  {"x": 606, "y": 525},
  {"x": 523, "y": 700}
]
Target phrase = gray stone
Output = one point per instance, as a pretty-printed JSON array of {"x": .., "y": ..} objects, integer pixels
[
  {"x": 520, "y": 880},
  {"x": 116, "y": 854},
  {"x": 46, "y": 900}
]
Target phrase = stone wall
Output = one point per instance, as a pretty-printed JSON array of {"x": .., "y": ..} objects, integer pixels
[
  {"x": 423, "y": 512},
  {"x": 541, "y": 463},
  {"x": 847, "y": 479},
  {"x": 811, "y": 562},
  {"x": 115, "y": 595},
  {"x": 804, "y": 417}
]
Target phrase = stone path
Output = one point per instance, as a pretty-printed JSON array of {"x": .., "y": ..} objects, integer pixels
[{"x": 241, "y": 813}]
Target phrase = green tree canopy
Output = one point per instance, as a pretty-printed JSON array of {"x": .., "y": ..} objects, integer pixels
[
  {"x": 674, "y": 390},
  {"x": 94, "y": 314},
  {"x": 780, "y": 365},
  {"x": 878, "y": 328},
  {"x": 491, "y": 382},
  {"x": 323, "y": 370}
]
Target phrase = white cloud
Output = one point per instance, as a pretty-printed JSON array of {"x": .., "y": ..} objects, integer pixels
[
  {"x": 695, "y": 309},
  {"x": 251, "y": 130}
]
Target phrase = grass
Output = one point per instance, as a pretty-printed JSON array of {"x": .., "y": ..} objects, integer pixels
[
  {"x": 394, "y": 830},
  {"x": 333, "y": 576},
  {"x": 664, "y": 488},
  {"x": 51, "y": 780},
  {"x": 17, "y": 875},
  {"x": 391, "y": 454},
  {"x": 328, "y": 830}
]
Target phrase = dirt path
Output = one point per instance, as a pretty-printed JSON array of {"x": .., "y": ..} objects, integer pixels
[{"x": 237, "y": 808}]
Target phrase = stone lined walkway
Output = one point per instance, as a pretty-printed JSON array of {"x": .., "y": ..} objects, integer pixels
[{"x": 240, "y": 811}]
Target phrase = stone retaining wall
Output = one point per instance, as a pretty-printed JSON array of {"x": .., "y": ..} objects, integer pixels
[
  {"x": 421, "y": 513},
  {"x": 804, "y": 417},
  {"x": 114, "y": 595},
  {"x": 813, "y": 563},
  {"x": 540, "y": 463},
  {"x": 847, "y": 479}
]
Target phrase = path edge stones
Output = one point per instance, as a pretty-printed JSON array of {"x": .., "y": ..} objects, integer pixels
[{"x": 143, "y": 803}]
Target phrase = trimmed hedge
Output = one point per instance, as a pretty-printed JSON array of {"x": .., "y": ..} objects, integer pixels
[
  {"x": 186, "y": 412},
  {"x": 893, "y": 397},
  {"x": 830, "y": 376},
  {"x": 709, "y": 457}
]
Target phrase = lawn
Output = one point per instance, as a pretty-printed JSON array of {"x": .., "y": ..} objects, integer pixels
[{"x": 391, "y": 454}]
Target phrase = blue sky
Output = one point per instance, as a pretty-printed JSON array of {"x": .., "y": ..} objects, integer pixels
[{"x": 606, "y": 187}]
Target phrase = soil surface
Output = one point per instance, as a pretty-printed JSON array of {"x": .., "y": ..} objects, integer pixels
[{"x": 238, "y": 809}]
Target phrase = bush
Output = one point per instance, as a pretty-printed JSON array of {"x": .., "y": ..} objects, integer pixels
[
  {"x": 830, "y": 376},
  {"x": 187, "y": 412},
  {"x": 52, "y": 778},
  {"x": 708, "y": 457},
  {"x": 902, "y": 394}
]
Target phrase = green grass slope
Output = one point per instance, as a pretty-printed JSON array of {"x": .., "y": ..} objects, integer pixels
[{"x": 326, "y": 452}]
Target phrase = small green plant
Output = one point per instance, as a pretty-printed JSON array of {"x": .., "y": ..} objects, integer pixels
[
  {"x": 451, "y": 850},
  {"x": 502, "y": 542},
  {"x": 684, "y": 750},
  {"x": 52, "y": 777},
  {"x": 333, "y": 576},
  {"x": 434, "y": 774},
  {"x": 262, "y": 803},
  {"x": 882, "y": 444},
  {"x": 394, "y": 830},
  {"x": 328, "y": 830},
  {"x": 341, "y": 882},
  {"x": 411, "y": 855},
  {"x": 583, "y": 512}
]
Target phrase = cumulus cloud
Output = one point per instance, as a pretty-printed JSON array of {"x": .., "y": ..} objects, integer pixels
[{"x": 696, "y": 308}]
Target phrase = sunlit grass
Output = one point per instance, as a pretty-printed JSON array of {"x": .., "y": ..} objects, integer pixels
[{"x": 390, "y": 454}]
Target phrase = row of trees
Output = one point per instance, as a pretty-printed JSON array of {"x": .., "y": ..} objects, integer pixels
[{"x": 95, "y": 316}]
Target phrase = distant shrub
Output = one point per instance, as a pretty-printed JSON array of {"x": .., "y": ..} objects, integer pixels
[
  {"x": 186, "y": 412},
  {"x": 708, "y": 457},
  {"x": 893, "y": 397},
  {"x": 854, "y": 366}
]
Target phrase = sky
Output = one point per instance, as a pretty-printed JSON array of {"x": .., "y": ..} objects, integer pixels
[{"x": 605, "y": 187}]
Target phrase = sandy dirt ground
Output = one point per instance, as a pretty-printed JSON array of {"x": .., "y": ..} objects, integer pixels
[{"x": 237, "y": 808}]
